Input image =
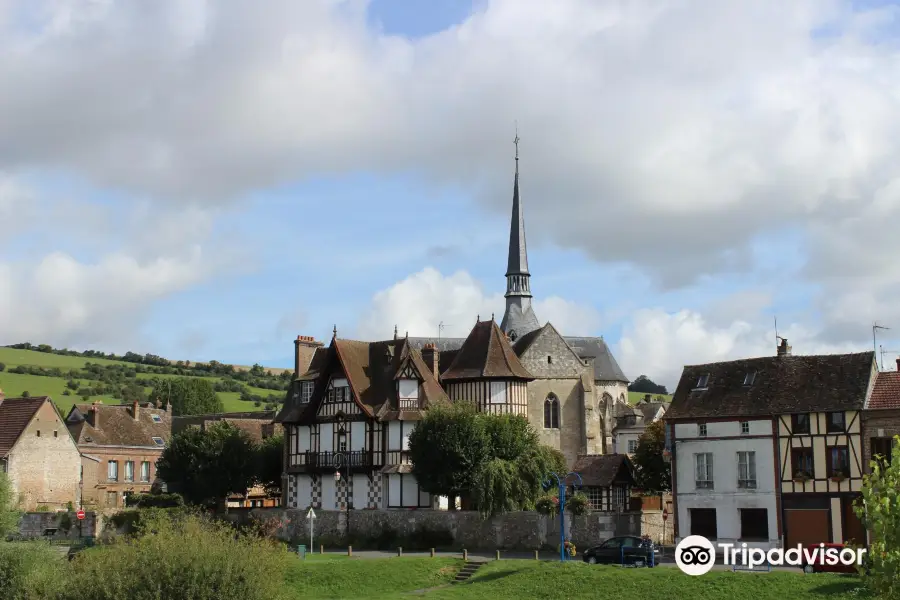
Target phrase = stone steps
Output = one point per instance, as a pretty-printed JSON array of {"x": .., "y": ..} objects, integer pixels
[{"x": 467, "y": 571}]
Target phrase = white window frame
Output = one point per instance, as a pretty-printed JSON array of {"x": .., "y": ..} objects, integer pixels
[
  {"x": 499, "y": 392},
  {"x": 412, "y": 389},
  {"x": 112, "y": 470},
  {"x": 745, "y": 427},
  {"x": 145, "y": 471},
  {"x": 632, "y": 446},
  {"x": 701, "y": 430},
  {"x": 746, "y": 471},
  {"x": 306, "y": 391},
  {"x": 129, "y": 470},
  {"x": 703, "y": 471}
]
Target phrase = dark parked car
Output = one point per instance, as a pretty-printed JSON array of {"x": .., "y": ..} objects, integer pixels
[
  {"x": 627, "y": 550},
  {"x": 821, "y": 566}
]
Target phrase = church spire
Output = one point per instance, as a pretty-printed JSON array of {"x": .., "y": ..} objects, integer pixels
[{"x": 519, "y": 317}]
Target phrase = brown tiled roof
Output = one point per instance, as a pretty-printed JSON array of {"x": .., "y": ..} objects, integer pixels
[
  {"x": 291, "y": 411},
  {"x": 257, "y": 425},
  {"x": 486, "y": 354},
  {"x": 370, "y": 369},
  {"x": 886, "y": 393},
  {"x": 601, "y": 470},
  {"x": 782, "y": 385},
  {"x": 318, "y": 362},
  {"x": 15, "y": 415},
  {"x": 117, "y": 426}
]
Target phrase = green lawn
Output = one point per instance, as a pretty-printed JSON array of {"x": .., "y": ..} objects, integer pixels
[
  {"x": 326, "y": 577},
  {"x": 13, "y": 384},
  {"x": 635, "y": 397},
  {"x": 520, "y": 579}
]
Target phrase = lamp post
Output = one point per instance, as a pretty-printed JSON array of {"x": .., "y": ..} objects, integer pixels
[{"x": 561, "y": 486}]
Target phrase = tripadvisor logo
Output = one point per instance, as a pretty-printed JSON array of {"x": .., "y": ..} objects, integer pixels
[{"x": 696, "y": 555}]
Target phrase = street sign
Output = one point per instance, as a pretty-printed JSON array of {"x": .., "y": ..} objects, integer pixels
[
  {"x": 80, "y": 514},
  {"x": 311, "y": 517}
]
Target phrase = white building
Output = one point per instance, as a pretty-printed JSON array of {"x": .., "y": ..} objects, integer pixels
[
  {"x": 725, "y": 481},
  {"x": 631, "y": 421}
]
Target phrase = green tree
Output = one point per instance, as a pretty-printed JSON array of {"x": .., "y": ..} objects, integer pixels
[
  {"x": 188, "y": 395},
  {"x": 9, "y": 516},
  {"x": 652, "y": 473},
  {"x": 645, "y": 385},
  {"x": 447, "y": 447},
  {"x": 205, "y": 467},
  {"x": 269, "y": 464},
  {"x": 880, "y": 512}
]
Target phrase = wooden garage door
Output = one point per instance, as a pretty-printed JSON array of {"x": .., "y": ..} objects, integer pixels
[
  {"x": 806, "y": 526},
  {"x": 854, "y": 532}
]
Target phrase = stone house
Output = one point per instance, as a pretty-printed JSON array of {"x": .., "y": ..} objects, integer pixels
[
  {"x": 769, "y": 448},
  {"x": 120, "y": 445},
  {"x": 631, "y": 421},
  {"x": 258, "y": 426},
  {"x": 38, "y": 454},
  {"x": 606, "y": 480},
  {"x": 881, "y": 418}
]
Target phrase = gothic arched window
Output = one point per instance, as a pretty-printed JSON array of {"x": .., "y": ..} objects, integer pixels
[{"x": 551, "y": 412}]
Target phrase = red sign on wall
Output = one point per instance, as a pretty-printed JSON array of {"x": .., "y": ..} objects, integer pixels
[{"x": 80, "y": 515}]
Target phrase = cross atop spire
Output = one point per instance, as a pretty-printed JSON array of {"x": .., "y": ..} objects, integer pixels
[{"x": 516, "y": 142}]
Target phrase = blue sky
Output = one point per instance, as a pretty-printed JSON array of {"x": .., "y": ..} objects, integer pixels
[{"x": 209, "y": 183}]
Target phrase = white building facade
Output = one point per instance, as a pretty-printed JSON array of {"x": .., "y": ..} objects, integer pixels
[{"x": 725, "y": 481}]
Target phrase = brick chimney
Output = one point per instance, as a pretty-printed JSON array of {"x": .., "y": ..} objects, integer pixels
[
  {"x": 898, "y": 368},
  {"x": 430, "y": 355},
  {"x": 783, "y": 348},
  {"x": 94, "y": 415},
  {"x": 135, "y": 410},
  {"x": 304, "y": 349}
]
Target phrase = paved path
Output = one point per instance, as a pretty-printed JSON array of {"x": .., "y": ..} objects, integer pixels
[{"x": 667, "y": 560}]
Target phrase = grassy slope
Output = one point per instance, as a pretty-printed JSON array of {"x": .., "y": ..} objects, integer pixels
[
  {"x": 364, "y": 578},
  {"x": 635, "y": 397},
  {"x": 525, "y": 579},
  {"x": 13, "y": 384}
]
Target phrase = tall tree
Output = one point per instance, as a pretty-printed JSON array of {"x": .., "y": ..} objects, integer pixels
[
  {"x": 447, "y": 447},
  {"x": 269, "y": 464},
  {"x": 880, "y": 513},
  {"x": 9, "y": 516},
  {"x": 652, "y": 473},
  {"x": 645, "y": 385},
  {"x": 188, "y": 395},
  {"x": 205, "y": 467}
]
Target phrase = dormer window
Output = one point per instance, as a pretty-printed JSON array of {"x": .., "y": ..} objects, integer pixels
[
  {"x": 339, "y": 391},
  {"x": 306, "y": 391},
  {"x": 408, "y": 392},
  {"x": 702, "y": 382},
  {"x": 749, "y": 378}
]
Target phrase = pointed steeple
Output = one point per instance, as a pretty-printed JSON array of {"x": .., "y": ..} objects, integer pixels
[{"x": 519, "y": 317}]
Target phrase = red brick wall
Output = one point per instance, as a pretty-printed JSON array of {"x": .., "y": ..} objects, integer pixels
[{"x": 878, "y": 423}]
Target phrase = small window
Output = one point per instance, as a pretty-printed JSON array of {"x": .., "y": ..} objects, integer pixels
[
  {"x": 836, "y": 423},
  {"x": 745, "y": 427},
  {"x": 746, "y": 470},
  {"x": 838, "y": 461},
  {"x": 632, "y": 446},
  {"x": 156, "y": 418},
  {"x": 158, "y": 441},
  {"x": 800, "y": 423},
  {"x": 802, "y": 463},
  {"x": 549, "y": 360},
  {"x": 701, "y": 430},
  {"x": 748, "y": 379},
  {"x": 55, "y": 433},
  {"x": 754, "y": 524},
  {"x": 703, "y": 522},
  {"x": 702, "y": 382},
  {"x": 39, "y": 433},
  {"x": 704, "y": 470}
]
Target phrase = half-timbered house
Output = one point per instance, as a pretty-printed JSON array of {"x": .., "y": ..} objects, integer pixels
[
  {"x": 767, "y": 450},
  {"x": 606, "y": 480}
]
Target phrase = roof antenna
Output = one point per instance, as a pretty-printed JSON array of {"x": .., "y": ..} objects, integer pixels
[
  {"x": 440, "y": 328},
  {"x": 875, "y": 328},
  {"x": 395, "y": 332}
]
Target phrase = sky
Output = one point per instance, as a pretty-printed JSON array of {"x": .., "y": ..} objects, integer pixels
[{"x": 205, "y": 180}]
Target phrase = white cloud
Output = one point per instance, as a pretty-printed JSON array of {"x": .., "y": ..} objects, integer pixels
[
  {"x": 660, "y": 344},
  {"x": 424, "y": 300}
]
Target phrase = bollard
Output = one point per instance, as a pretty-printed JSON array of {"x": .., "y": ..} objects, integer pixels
[
  {"x": 349, "y": 550},
  {"x": 432, "y": 553},
  {"x": 321, "y": 549},
  {"x": 400, "y": 551},
  {"x": 465, "y": 554},
  {"x": 536, "y": 555},
  {"x": 498, "y": 555}
]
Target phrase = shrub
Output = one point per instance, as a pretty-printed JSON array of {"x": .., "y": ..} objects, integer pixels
[
  {"x": 2, "y": 367},
  {"x": 155, "y": 500},
  {"x": 577, "y": 503},
  {"x": 175, "y": 558},
  {"x": 30, "y": 571}
]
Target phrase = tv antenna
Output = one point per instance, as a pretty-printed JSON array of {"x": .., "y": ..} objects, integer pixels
[
  {"x": 883, "y": 352},
  {"x": 440, "y": 329},
  {"x": 875, "y": 328}
]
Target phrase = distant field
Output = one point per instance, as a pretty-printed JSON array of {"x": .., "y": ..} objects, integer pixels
[
  {"x": 13, "y": 384},
  {"x": 635, "y": 397}
]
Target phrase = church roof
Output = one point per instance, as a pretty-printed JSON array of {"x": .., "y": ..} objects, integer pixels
[
  {"x": 517, "y": 263},
  {"x": 605, "y": 366},
  {"x": 486, "y": 353},
  {"x": 517, "y": 320}
]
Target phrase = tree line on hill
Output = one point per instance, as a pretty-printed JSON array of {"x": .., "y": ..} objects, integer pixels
[{"x": 645, "y": 385}]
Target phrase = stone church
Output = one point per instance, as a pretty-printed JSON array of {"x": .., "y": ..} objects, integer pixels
[{"x": 353, "y": 404}]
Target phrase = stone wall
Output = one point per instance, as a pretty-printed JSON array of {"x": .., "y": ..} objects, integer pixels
[
  {"x": 442, "y": 530},
  {"x": 33, "y": 524},
  {"x": 877, "y": 423},
  {"x": 652, "y": 524}
]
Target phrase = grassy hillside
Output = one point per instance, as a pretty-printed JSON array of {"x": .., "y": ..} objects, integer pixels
[
  {"x": 635, "y": 397},
  {"x": 73, "y": 368}
]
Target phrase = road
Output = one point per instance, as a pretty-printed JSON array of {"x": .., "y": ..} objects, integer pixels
[{"x": 667, "y": 559}]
